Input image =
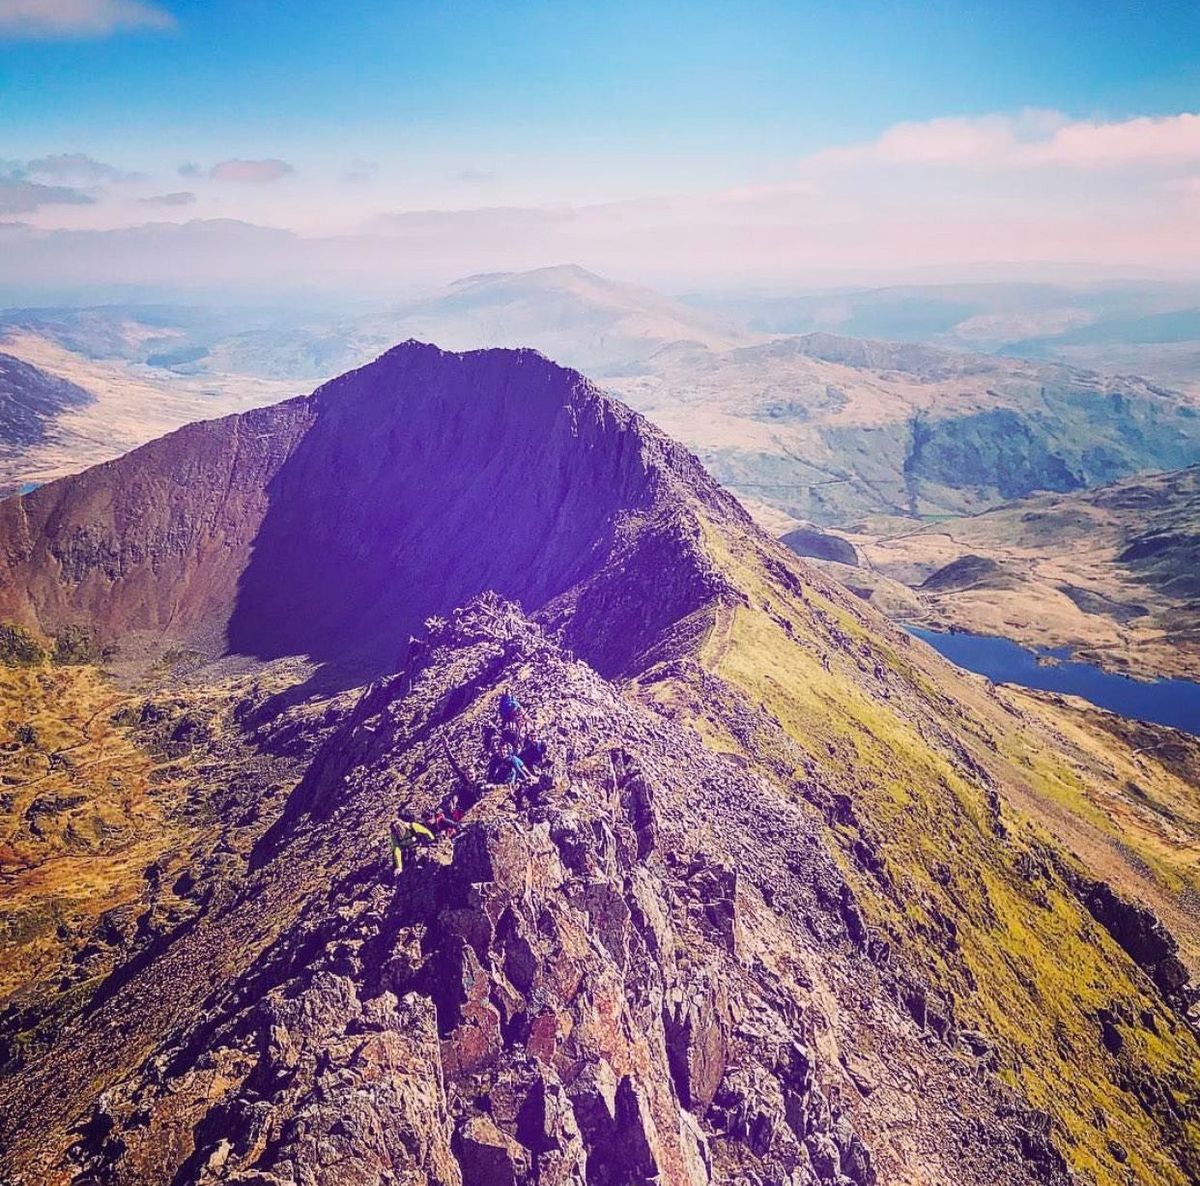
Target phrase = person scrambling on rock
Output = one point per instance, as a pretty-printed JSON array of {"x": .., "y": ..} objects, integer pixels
[
  {"x": 407, "y": 835},
  {"x": 506, "y": 767},
  {"x": 514, "y": 720},
  {"x": 533, "y": 752},
  {"x": 445, "y": 821}
]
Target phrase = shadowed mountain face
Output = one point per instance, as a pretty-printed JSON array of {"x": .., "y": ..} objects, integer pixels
[
  {"x": 451, "y": 474},
  {"x": 798, "y": 903},
  {"x": 30, "y": 401}
]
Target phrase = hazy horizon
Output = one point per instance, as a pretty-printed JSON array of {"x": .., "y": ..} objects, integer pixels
[{"x": 242, "y": 148}]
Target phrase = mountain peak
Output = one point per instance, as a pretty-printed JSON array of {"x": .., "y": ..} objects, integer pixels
[
  {"x": 786, "y": 907},
  {"x": 300, "y": 528}
]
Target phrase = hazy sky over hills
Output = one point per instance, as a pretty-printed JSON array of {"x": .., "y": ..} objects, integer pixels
[{"x": 663, "y": 141}]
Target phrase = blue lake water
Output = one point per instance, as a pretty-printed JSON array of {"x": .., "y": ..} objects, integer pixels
[{"x": 1173, "y": 702}]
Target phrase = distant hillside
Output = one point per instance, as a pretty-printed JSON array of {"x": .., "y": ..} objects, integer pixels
[
  {"x": 30, "y": 403},
  {"x": 1113, "y": 573},
  {"x": 123, "y": 404},
  {"x": 571, "y": 315},
  {"x": 1130, "y": 327},
  {"x": 829, "y": 429}
]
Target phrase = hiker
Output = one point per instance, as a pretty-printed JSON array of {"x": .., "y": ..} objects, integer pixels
[
  {"x": 506, "y": 767},
  {"x": 444, "y": 821},
  {"x": 407, "y": 834},
  {"x": 514, "y": 720},
  {"x": 414, "y": 658},
  {"x": 533, "y": 752},
  {"x": 469, "y": 791}
]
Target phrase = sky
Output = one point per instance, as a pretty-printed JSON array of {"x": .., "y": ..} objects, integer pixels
[{"x": 684, "y": 144}]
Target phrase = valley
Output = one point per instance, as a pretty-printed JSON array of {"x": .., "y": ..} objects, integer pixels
[
  {"x": 121, "y": 405},
  {"x": 1106, "y": 573}
]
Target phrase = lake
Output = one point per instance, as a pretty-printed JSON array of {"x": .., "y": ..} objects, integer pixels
[{"x": 1174, "y": 702}]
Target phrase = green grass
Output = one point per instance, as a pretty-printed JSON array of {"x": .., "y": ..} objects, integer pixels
[{"x": 1032, "y": 968}]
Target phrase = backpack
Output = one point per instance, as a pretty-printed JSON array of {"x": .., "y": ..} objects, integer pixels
[{"x": 509, "y": 706}]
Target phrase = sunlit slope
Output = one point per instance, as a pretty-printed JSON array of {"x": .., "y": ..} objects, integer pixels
[{"x": 931, "y": 789}]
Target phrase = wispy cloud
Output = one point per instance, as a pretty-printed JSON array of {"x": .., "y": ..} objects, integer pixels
[
  {"x": 360, "y": 171},
  {"x": 1033, "y": 139},
  {"x": 79, "y": 18},
  {"x": 1033, "y": 188},
  {"x": 18, "y": 196},
  {"x": 474, "y": 176},
  {"x": 254, "y": 172},
  {"x": 178, "y": 198},
  {"x": 76, "y": 168}
]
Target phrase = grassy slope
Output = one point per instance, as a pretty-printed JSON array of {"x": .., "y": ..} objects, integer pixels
[
  {"x": 1028, "y": 965},
  {"x": 83, "y": 814}
]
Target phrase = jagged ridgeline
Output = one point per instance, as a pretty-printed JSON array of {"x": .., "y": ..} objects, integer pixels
[{"x": 803, "y": 905}]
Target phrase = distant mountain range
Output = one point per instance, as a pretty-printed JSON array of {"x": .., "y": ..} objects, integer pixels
[
  {"x": 816, "y": 427},
  {"x": 1148, "y": 329},
  {"x": 568, "y": 313}
]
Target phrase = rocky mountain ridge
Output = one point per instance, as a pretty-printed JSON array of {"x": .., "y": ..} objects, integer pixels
[
  {"x": 804, "y": 904},
  {"x": 601, "y": 988}
]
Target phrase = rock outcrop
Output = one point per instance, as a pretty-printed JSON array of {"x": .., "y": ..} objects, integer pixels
[{"x": 594, "y": 990}]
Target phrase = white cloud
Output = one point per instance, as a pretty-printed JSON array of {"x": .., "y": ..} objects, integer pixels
[
  {"x": 255, "y": 172},
  {"x": 1030, "y": 140},
  {"x": 79, "y": 18}
]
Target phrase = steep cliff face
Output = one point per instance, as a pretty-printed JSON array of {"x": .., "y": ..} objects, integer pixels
[
  {"x": 335, "y": 525},
  {"x": 791, "y": 911}
]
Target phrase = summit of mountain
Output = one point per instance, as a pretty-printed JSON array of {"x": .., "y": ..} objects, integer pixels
[{"x": 295, "y": 529}]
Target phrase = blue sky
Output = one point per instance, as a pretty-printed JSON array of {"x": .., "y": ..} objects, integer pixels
[
  {"x": 372, "y": 109},
  {"x": 621, "y": 77}
]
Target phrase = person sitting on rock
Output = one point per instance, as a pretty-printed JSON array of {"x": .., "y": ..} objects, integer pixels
[
  {"x": 514, "y": 720},
  {"x": 533, "y": 751},
  {"x": 506, "y": 767},
  {"x": 406, "y": 835}
]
